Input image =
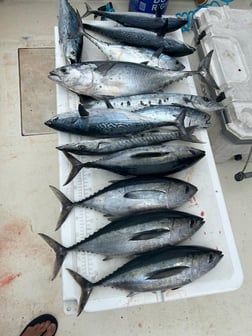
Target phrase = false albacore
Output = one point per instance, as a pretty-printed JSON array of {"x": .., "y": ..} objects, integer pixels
[
  {"x": 69, "y": 25},
  {"x": 170, "y": 268},
  {"x": 106, "y": 79},
  {"x": 132, "y": 195},
  {"x": 140, "y": 161},
  {"x": 132, "y": 235}
]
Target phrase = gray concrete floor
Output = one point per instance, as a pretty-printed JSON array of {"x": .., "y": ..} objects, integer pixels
[{"x": 29, "y": 164}]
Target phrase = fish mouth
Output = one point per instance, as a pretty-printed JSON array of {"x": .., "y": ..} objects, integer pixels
[{"x": 54, "y": 76}]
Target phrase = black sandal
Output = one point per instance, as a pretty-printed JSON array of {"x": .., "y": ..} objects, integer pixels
[{"x": 41, "y": 319}]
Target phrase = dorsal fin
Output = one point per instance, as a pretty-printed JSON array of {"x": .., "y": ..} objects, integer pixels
[
  {"x": 82, "y": 111},
  {"x": 158, "y": 11}
]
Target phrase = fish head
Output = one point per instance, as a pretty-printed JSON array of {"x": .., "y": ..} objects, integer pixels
[
  {"x": 63, "y": 121},
  {"x": 185, "y": 191},
  {"x": 206, "y": 260},
  {"x": 193, "y": 224},
  {"x": 72, "y": 51},
  {"x": 75, "y": 77}
]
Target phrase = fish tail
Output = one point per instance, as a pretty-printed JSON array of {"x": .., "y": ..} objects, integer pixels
[
  {"x": 67, "y": 206},
  {"x": 60, "y": 252},
  {"x": 204, "y": 71},
  {"x": 88, "y": 10},
  {"x": 76, "y": 167},
  {"x": 187, "y": 135},
  {"x": 86, "y": 289}
]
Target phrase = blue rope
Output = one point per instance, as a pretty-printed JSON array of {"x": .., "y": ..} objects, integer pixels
[{"x": 189, "y": 15}]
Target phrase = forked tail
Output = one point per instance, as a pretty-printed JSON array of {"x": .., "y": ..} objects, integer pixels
[
  {"x": 60, "y": 252},
  {"x": 204, "y": 71},
  {"x": 67, "y": 206},
  {"x": 86, "y": 289}
]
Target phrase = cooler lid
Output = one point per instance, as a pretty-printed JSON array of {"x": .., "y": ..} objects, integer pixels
[{"x": 228, "y": 32}]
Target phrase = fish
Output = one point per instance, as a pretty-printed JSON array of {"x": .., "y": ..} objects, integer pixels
[
  {"x": 106, "y": 79},
  {"x": 141, "y": 38},
  {"x": 168, "y": 268},
  {"x": 139, "y": 161},
  {"x": 125, "y": 53},
  {"x": 172, "y": 113},
  {"x": 138, "y": 101},
  {"x": 129, "y": 196},
  {"x": 100, "y": 146},
  {"x": 132, "y": 235},
  {"x": 156, "y": 23},
  {"x": 107, "y": 122},
  {"x": 68, "y": 25}
]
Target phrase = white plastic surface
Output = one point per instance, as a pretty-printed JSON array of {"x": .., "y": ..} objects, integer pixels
[
  {"x": 228, "y": 33},
  {"x": 208, "y": 202}
]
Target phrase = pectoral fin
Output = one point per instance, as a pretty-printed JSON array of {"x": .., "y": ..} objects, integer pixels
[
  {"x": 165, "y": 273},
  {"x": 151, "y": 234}
]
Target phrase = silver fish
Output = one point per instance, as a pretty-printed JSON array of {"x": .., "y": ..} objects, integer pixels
[
  {"x": 141, "y": 38},
  {"x": 130, "y": 196},
  {"x": 132, "y": 235},
  {"x": 68, "y": 26},
  {"x": 106, "y": 122},
  {"x": 139, "y": 161},
  {"x": 106, "y": 79},
  {"x": 192, "y": 117},
  {"x": 110, "y": 145},
  {"x": 138, "y": 101},
  {"x": 124, "y": 53},
  {"x": 170, "y": 268},
  {"x": 156, "y": 23}
]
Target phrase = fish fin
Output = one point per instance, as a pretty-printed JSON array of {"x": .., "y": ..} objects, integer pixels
[
  {"x": 180, "y": 121},
  {"x": 59, "y": 250},
  {"x": 86, "y": 100},
  {"x": 165, "y": 273},
  {"x": 76, "y": 167},
  {"x": 188, "y": 135},
  {"x": 147, "y": 155},
  {"x": 131, "y": 294},
  {"x": 89, "y": 10},
  {"x": 158, "y": 11},
  {"x": 158, "y": 52},
  {"x": 86, "y": 289},
  {"x": 108, "y": 104},
  {"x": 67, "y": 206},
  {"x": 146, "y": 194},
  {"x": 107, "y": 258},
  {"x": 151, "y": 234},
  {"x": 204, "y": 71},
  {"x": 105, "y": 67},
  {"x": 82, "y": 111}
]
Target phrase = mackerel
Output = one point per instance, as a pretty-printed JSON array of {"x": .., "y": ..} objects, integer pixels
[
  {"x": 132, "y": 235},
  {"x": 110, "y": 145},
  {"x": 156, "y": 23},
  {"x": 124, "y": 53},
  {"x": 141, "y": 38},
  {"x": 138, "y": 101},
  {"x": 131, "y": 196}
]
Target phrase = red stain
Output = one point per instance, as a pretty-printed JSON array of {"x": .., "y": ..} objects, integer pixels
[
  {"x": 202, "y": 214},
  {"x": 6, "y": 280},
  {"x": 140, "y": 325}
]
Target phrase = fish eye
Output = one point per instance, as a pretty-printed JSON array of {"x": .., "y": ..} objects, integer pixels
[
  {"x": 187, "y": 189},
  {"x": 72, "y": 53},
  {"x": 206, "y": 99},
  {"x": 192, "y": 222},
  {"x": 63, "y": 70},
  {"x": 210, "y": 258}
]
